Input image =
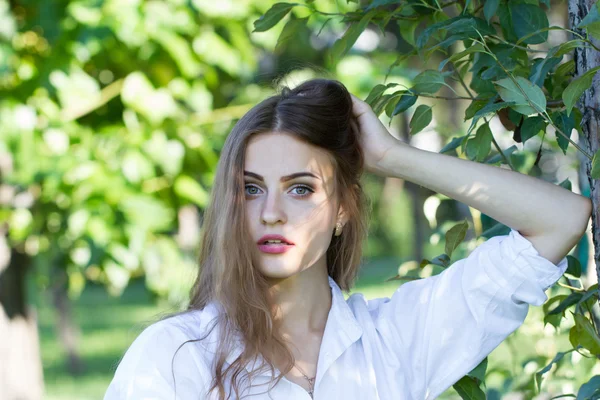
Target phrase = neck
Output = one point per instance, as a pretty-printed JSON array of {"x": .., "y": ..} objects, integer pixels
[{"x": 301, "y": 303}]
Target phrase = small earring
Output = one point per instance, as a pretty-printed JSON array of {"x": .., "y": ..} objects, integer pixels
[{"x": 338, "y": 229}]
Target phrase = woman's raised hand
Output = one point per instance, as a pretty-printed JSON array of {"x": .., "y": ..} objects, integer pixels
[{"x": 375, "y": 139}]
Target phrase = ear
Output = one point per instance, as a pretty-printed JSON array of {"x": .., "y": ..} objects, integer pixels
[{"x": 342, "y": 217}]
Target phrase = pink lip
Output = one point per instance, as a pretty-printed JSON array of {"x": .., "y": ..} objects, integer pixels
[
  {"x": 274, "y": 248},
  {"x": 273, "y": 237}
]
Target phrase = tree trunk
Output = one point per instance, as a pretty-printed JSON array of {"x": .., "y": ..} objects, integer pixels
[
  {"x": 589, "y": 104},
  {"x": 21, "y": 375},
  {"x": 67, "y": 331}
]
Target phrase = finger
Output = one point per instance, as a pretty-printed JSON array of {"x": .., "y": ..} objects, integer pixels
[{"x": 359, "y": 107}]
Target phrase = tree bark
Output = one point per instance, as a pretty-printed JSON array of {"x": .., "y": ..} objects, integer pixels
[
  {"x": 21, "y": 375},
  {"x": 589, "y": 104},
  {"x": 67, "y": 330}
]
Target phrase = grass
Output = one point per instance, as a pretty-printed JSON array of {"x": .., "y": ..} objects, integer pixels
[{"x": 109, "y": 325}]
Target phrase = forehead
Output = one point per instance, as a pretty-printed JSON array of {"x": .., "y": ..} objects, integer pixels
[{"x": 278, "y": 154}]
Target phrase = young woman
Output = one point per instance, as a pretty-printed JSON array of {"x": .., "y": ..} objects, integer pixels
[{"x": 282, "y": 238}]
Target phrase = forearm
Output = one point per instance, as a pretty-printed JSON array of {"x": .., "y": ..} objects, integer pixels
[{"x": 530, "y": 205}]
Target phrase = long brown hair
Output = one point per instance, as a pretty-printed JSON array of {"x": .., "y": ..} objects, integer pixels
[{"x": 319, "y": 112}]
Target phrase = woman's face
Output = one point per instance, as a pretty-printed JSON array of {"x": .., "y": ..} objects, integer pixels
[{"x": 302, "y": 209}]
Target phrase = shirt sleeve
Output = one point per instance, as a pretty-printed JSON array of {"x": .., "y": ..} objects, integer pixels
[
  {"x": 147, "y": 368},
  {"x": 442, "y": 327}
]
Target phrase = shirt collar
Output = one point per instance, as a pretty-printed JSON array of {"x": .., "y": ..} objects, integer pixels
[{"x": 341, "y": 331}]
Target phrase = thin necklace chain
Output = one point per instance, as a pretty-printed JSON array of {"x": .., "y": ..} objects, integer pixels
[{"x": 311, "y": 381}]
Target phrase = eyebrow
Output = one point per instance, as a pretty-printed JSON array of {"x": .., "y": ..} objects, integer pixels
[{"x": 283, "y": 178}]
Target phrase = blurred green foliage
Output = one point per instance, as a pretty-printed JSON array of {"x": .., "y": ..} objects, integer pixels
[{"x": 113, "y": 113}]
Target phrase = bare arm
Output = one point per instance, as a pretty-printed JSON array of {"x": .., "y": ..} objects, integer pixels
[{"x": 552, "y": 218}]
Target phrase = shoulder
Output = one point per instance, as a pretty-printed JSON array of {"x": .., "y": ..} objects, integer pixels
[{"x": 165, "y": 349}]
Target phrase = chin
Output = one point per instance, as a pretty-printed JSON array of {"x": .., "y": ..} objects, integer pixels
[{"x": 277, "y": 272}]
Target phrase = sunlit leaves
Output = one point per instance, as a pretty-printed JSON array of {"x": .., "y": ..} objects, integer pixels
[
  {"x": 187, "y": 188},
  {"x": 139, "y": 94},
  {"x": 148, "y": 212}
]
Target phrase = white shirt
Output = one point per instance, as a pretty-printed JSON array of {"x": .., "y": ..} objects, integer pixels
[{"x": 414, "y": 345}]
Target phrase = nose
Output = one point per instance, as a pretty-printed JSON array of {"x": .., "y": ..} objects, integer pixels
[{"x": 272, "y": 211}]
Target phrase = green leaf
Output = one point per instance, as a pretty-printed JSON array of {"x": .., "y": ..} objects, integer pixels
[
  {"x": 428, "y": 81},
  {"x": 566, "y": 124},
  {"x": 453, "y": 144},
  {"x": 186, "y": 187},
  {"x": 571, "y": 299},
  {"x": 496, "y": 158},
  {"x": 461, "y": 27},
  {"x": 407, "y": 31},
  {"x": 590, "y": 390},
  {"x": 538, "y": 375},
  {"x": 479, "y": 371},
  {"x": 527, "y": 19},
  {"x": 420, "y": 119},
  {"x": 488, "y": 110},
  {"x": 442, "y": 260},
  {"x": 531, "y": 127},
  {"x": 289, "y": 31},
  {"x": 489, "y": 9},
  {"x": 584, "y": 334},
  {"x": 576, "y": 88},
  {"x": 510, "y": 92},
  {"x": 566, "y": 184},
  {"x": 455, "y": 236},
  {"x": 405, "y": 102},
  {"x": 540, "y": 69},
  {"x": 574, "y": 266},
  {"x": 345, "y": 43},
  {"x": 272, "y": 16},
  {"x": 381, "y": 103},
  {"x": 391, "y": 105},
  {"x": 475, "y": 106},
  {"x": 479, "y": 147},
  {"x": 566, "y": 47},
  {"x": 592, "y": 16},
  {"x": 596, "y": 165},
  {"x": 468, "y": 389},
  {"x": 457, "y": 56},
  {"x": 377, "y": 91}
]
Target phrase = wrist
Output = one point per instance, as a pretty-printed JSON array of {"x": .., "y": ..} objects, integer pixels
[{"x": 395, "y": 160}]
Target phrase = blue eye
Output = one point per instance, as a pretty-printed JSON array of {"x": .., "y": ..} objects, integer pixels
[
  {"x": 308, "y": 190},
  {"x": 304, "y": 187}
]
